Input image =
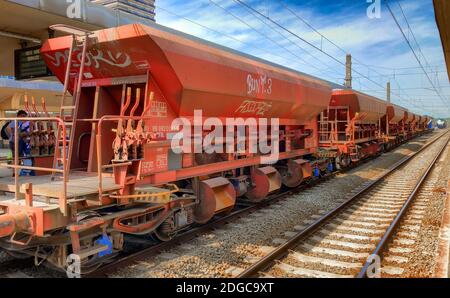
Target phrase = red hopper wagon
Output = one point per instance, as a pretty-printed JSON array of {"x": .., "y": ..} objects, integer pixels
[
  {"x": 392, "y": 125},
  {"x": 141, "y": 111},
  {"x": 115, "y": 170},
  {"x": 351, "y": 125}
]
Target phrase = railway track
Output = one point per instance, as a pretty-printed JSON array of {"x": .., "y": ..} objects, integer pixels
[
  {"x": 221, "y": 221},
  {"x": 414, "y": 252},
  {"x": 180, "y": 240},
  {"x": 346, "y": 241},
  {"x": 148, "y": 247},
  {"x": 135, "y": 257},
  {"x": 11, "y": 267}
]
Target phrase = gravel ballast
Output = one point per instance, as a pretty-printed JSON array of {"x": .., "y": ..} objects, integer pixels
[
  {"x": 215, "y": 254},
  {"x": 423, "y": 258}
]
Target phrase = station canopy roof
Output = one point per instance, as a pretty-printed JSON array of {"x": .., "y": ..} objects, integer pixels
[
  {"x": 442, "y": 12},
  {"x": 33, "y": 17},
  {"x": 30, "y": 20},
  {"x": 12, "y": 94}
]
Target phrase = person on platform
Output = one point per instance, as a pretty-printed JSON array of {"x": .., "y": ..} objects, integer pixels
[{"x": 24, "y": 135}]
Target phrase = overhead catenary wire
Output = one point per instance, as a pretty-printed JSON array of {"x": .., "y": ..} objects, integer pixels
[
  {"x": 222, "y": 33},
  {"x": 323, "y": 37},
  {"x": 412, "y": 49},
  {"x": 417, "y": 43},
  {"x": 302, "y": 39},
  {"x": 290, "y": 41},
  {"x": 311, "y": 44},
  {"x": 404, "y": 74},
  {"x": 269, "y": 22},
  {"x": 410, "y": 88},
  {"x": 400, "y": 68},
  {"x": 262, "y": 34},
  {"x": 216, "y": 31},
  {"x": 291, "y": 32}
]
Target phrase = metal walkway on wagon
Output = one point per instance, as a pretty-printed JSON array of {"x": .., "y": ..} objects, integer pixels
[{"x": 79, "y": 184}]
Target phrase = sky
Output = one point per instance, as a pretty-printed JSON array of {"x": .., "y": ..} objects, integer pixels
[{"x": 316, "y": 35}]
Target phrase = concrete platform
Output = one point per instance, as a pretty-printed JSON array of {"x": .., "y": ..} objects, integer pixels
[{"x": 80, "y": 184}]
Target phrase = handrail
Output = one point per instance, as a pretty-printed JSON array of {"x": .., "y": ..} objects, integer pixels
[
  {"x": 17, "y": 167},
  {"x": 100, "y": 167}
]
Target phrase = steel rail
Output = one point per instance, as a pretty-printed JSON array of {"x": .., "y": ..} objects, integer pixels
[
  {"x": 13, "y": 265},
  {"x": 191, "y": 234},
  {"x": 195, "y": 232},
  {"x": 390, "y": 232},
  {"x": 283, "y": 249},
  {"x": 132, "y": 258},
  {"x": 114, "y": 265}
]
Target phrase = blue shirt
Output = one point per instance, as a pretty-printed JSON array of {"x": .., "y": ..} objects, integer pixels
[{"x": 23, "y": 127}]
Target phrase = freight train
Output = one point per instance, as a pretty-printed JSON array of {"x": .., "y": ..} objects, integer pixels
[{"x": 134, "y": 89}]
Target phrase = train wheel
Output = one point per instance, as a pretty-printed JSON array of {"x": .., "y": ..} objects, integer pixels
[
  {"x": 344, "y": 161},
  {"x": 86, "y": 267},
  {"x": 163, "y": 236},
  {"x": 167, "y": 230}
]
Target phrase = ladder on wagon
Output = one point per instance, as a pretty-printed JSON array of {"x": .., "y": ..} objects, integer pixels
[
  {"x": 68, "y": 111},
  {"x": 324, "y": 133}
]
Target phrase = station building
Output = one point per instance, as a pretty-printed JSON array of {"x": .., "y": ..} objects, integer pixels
[
  {"x": 140, "y": 8},
  {"x": 24, "y": 26}
]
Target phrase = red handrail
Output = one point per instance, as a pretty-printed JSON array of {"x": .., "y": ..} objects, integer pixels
[
  {"x": 109, "y": 118},
  {"x": 17, "y": 167}
]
